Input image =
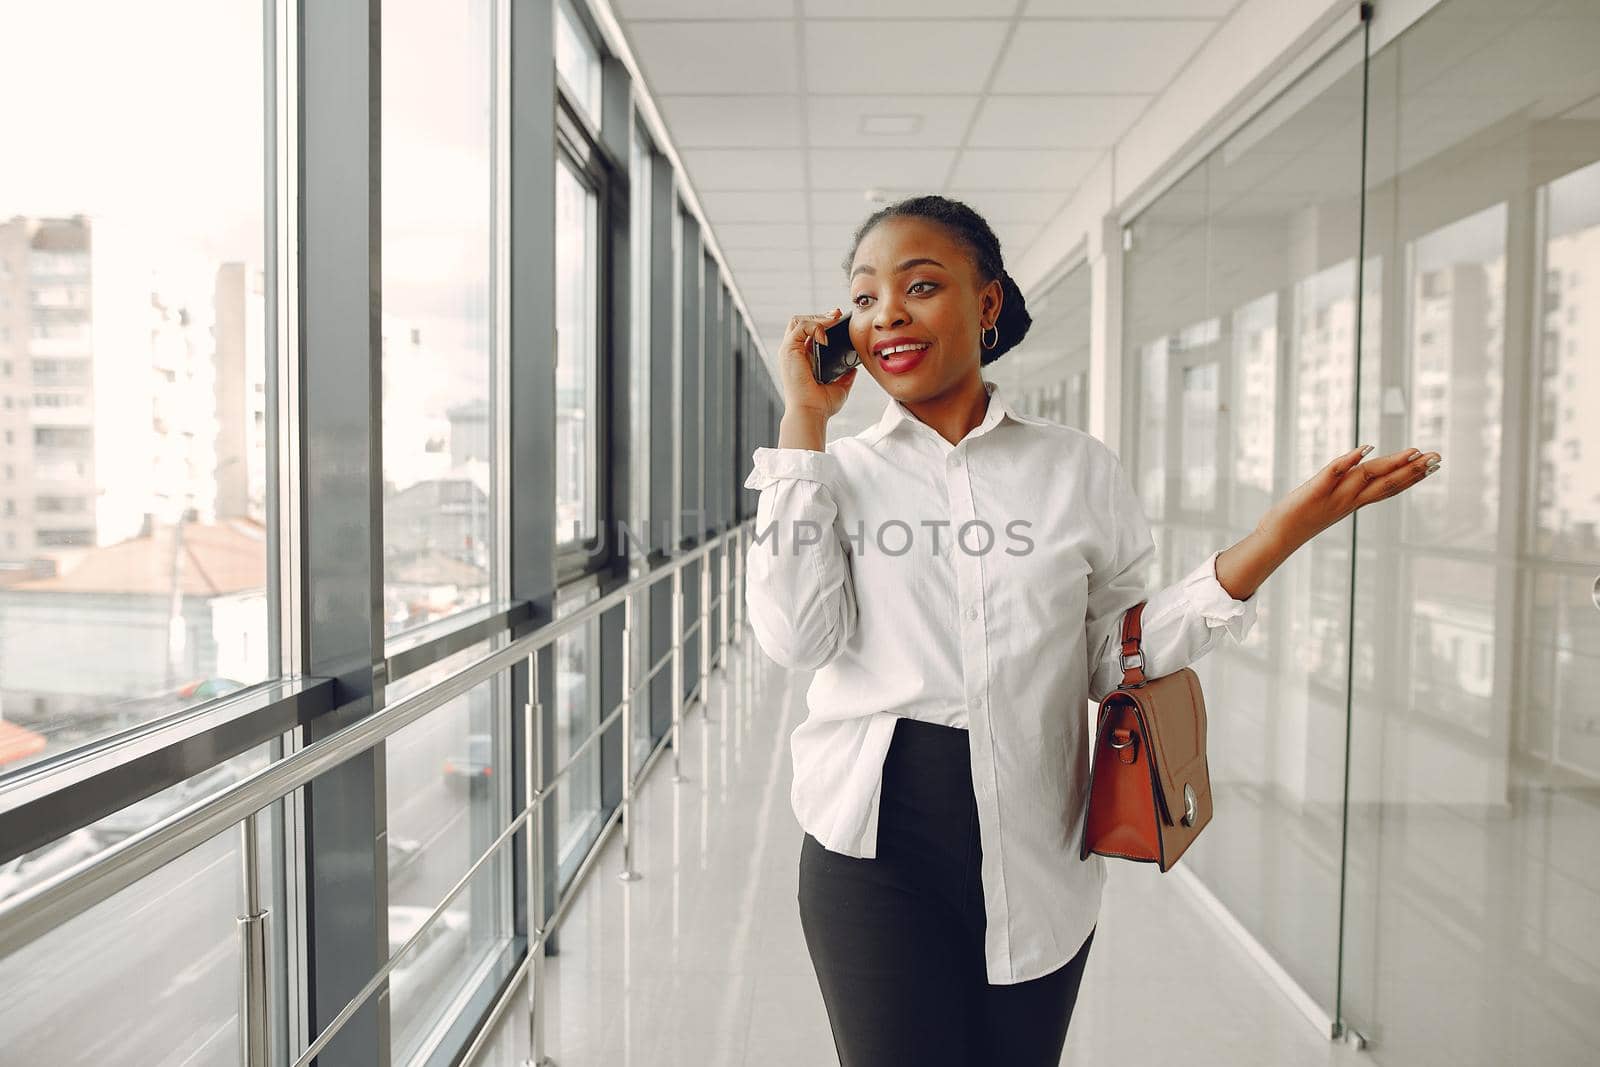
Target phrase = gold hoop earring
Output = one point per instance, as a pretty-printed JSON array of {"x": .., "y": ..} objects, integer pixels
[{"x": 986, "y": 329}]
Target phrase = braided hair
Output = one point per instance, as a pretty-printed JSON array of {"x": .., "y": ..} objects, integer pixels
[{"x": 970, "y": 228}]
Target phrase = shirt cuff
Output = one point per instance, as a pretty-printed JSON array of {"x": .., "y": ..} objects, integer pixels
[
  {"x": 775, "y": 464},
  {"x": 1206, "y": 595}
]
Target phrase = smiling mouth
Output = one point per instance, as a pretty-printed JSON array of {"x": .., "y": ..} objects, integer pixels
[{"x": 902, "y": 353}]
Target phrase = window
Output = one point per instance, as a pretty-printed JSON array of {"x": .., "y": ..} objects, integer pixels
[
  {"x": 640, "y": 182},
  {"x": 129, "y": 283},
  {"x": 578, "y": 61},
  {"x": 448, "y": 799},
  {"x": 438, "y": 326},
  {"x": 577, "y": 706},
  {"x": 577, "y": 356}
]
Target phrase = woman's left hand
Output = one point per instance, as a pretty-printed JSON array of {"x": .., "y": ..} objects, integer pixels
[{"x": 1341, "y": 487}]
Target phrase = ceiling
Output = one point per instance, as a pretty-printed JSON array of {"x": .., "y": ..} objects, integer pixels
[{"x": 789, "y": 114}]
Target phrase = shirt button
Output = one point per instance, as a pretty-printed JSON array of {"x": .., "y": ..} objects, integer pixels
[{"x": 972, "y": 613}]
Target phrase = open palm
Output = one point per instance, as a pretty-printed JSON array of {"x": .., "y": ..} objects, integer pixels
[{"x": 1342, "y": 486}]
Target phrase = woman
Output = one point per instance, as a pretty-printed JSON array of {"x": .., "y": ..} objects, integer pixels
[{"x": 954, "y": 575}]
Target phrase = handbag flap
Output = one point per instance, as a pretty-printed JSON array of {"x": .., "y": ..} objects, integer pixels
[{"x": 1174, "y": 714}]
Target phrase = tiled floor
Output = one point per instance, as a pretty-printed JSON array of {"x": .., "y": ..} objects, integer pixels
[{"x": 702, "y": 962}]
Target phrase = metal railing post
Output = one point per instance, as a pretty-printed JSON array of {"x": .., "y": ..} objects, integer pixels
[
  {"x": 253, "y": 935},
  {"x": 677, "y": 675},
  {"x": 723, "y": 574},
  {"x": 738, "y": 588},
  {"x": 533, "y": 797},
  {"x": 627, "y": 874},
  {"x": 705, "y": 636}
]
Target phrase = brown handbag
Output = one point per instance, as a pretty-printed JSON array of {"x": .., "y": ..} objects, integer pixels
[{"x": 1149, "y": 787}]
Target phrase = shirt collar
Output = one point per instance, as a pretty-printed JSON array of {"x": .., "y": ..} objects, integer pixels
[{"x": 895, "y": 413}]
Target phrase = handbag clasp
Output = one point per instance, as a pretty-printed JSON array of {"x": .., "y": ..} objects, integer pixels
[{"x": 1122, "y": 742}]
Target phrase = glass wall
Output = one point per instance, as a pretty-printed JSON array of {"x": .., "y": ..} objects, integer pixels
[
  {"x": 438, "y": 217},
  {"x": 161, "y": 959},
  {"x": 1402, "y": 752},
  {"x": 1472, "y": 894},
  {"x": 1240, "y": 330},
  {"x": 447, "y": 800},
  {"x": 577, "y": 713},
  {"x": 135, "y": 310},
  {"x": 1048, "y": 373},
  {"x": 301, "y": 277},
  {"x": 577, "y": 351}
]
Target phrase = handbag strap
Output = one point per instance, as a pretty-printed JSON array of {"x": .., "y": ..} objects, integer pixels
[{"x": 1132, "y": 674}]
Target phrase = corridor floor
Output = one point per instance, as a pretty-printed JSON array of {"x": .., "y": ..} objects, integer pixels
[{"x": 701, "y": 961}]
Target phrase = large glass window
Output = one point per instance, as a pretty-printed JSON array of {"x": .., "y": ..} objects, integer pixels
[
  {"x": 1239, "y": 327},
  {"x": 641, "y": 182},
  {"x": 578, "y": 61},
  {"x": 1408, "y": 738},
  {"x": 134, "y": 311},
  {"x": 577, "y": 356},
  {"x": 158, "y": 963},
  {"x": 447, "y": 801},
  {"x": 1469, "y": 935},
  {"x": 577, "y": 713},
  {"x": 438, "y": 323}
]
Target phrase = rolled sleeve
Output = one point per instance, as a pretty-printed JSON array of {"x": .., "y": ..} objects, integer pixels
[
  {"x": 799, "y": 590},
  {"x": 1210, "y": 601},
  {"x": 772, "y": 465}
]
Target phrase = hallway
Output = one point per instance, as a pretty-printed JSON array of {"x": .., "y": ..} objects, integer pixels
[{"x": 702, "y": 962}]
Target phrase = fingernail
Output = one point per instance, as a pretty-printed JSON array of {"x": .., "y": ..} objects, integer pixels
[
  {"x": 1413, "y": 454},
  {"x": 1365, "y": 449},
  {"x": 1432, "y": 467}
]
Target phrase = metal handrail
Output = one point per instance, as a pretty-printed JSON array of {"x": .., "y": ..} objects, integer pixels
[
  {"x": 536, "y": 799},
  {"x": 36, "y": 911}
]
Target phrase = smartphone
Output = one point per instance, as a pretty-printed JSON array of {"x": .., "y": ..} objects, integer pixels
[{"x": 830, "y": 360}]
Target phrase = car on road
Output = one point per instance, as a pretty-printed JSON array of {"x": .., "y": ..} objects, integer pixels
[
  {"x": 403, "y": 855},
  {"x": 474, "y": 767},
  {"x": 428, "y": 965}
]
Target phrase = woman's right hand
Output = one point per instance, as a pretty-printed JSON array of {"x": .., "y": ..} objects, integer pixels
[{"x": 802, "y": 393}]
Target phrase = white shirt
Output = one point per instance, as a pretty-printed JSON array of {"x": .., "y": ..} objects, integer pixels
[{"x": 1009, "y": 635}]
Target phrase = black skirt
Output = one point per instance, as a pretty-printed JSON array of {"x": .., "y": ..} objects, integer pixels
[{"x": 897, "y": 940}]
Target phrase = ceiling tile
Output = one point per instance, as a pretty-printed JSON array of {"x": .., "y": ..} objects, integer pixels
[
  {"x": 835, "y": 236},
  {"x": 912, "y": 8},
  {"x": 773, "y": 269},
  {"x": 1015, "y": 237},
  {"x": 1098, "y": 57},
  {"x": 749, "y": 261},
  {"x": 1129, "y": 8},
  {"x": 858, "y": 56},
  {"x": 744, "y": 168},
  {"x": 863, "y": 168},
  {"x": 780, "y": 235},
  {"x": 840, "y": 205},
  {"x": 1068, "y": 121},
  {"x": 703, "y": 9},
  {"x": 933, "y": 121},
  {"x": 721, "y": 121},
  {"x": 716, "y": 57},
  {"x": 739, "y": 205},
  {"x": 1021, "y": 168},
  {"x": 1009, "y": 205},
  {"x": 768, "y": 290}
]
